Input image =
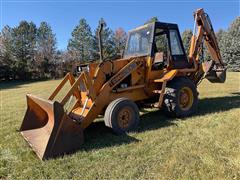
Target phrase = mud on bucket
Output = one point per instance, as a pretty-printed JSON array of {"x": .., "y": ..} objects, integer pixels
[{"x": 49, "y": 130}]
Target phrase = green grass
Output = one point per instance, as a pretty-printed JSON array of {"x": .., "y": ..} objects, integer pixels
[{"x": 205, "y": 146}]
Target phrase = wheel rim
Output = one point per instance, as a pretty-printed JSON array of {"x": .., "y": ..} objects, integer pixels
[
  {"x": 124, "y": 117},
  {"x": 185, "y": 98}
]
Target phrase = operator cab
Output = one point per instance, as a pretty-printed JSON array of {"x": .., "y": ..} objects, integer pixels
[{"x": 161, "y": 41}]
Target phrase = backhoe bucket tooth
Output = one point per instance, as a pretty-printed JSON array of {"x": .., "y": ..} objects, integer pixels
[{"x": 49, "y": 130}]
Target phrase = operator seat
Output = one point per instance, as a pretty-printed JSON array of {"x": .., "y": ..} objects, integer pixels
[{"x": 159, "y": 61}]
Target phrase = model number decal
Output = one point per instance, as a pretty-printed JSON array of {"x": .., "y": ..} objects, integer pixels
[{"x": 124, "y": 73}]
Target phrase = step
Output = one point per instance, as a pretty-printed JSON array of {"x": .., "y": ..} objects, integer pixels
[
  {"x": 78, "y": 114},
  {"x": 89, "y": 103},
  {"x": 167, "y": 76}
]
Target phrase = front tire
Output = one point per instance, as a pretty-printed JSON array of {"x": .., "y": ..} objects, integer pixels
[
  {"x": 122, "y": 115},
  {"x": 181, "y": 98}
]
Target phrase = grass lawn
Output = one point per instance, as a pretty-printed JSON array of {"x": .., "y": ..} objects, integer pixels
[{"x": 204, "y": 146}]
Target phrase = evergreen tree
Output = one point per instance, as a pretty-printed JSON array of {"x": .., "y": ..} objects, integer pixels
[
  {"x": 220, "y": 35},
  {"x": 1, "y": 47},
  {"x": 230, "y": 46},
  {"x": 24, "y": 44},
  {"x": 152, "y": 19},
  {"x": 6, "y": 49},
  {"x": 46, "y": 49},
  {"x": 81, "y": 42}
]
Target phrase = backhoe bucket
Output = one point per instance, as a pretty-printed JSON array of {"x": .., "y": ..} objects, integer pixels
[
  {"x": 216, "y": 76},
  {"x": 49, "y": 130},
  {"x": 213, "y": 73}
]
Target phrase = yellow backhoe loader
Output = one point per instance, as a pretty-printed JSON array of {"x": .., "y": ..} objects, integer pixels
[{"x": 154, "y": 67}]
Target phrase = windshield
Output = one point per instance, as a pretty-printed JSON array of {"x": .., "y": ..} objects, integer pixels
[{"x": 139, "y": 41}]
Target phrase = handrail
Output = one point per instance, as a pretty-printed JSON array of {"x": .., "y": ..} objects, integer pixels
[
  {"x": 87, "y": 83},
  {"x": 84, "y": 106},
  {"x": 59, "y": 87},
  {"x": 71, "y": 91},
  {"x": 74, "y": 90}
]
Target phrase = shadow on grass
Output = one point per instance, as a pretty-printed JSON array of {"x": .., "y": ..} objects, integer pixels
[
  {"x": 218, "y": 104},
  {"x": 97, "y": 135},
  {"x": 152, "y": 120},
  {"x": 18, "y": 83},
  {"x": 236, "y": 93}
]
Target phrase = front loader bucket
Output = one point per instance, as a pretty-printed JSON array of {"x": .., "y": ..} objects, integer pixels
[{"x": 49, "y": 130}]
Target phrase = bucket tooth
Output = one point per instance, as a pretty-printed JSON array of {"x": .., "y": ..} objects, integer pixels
[{"x": 49, "y": 130}]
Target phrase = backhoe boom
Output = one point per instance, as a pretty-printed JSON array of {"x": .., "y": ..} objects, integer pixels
[{"x": 214, "y": 70}]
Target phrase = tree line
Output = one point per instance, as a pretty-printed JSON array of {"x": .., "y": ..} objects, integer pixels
[{"x": 30, "y": 52}]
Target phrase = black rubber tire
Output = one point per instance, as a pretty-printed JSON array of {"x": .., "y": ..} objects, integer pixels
[
  {"x": 171, "y": 104},
  {"x": 113, "y": 110}
]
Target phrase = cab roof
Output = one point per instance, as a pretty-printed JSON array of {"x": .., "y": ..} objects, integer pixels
[{"x": 158, "y": 24}]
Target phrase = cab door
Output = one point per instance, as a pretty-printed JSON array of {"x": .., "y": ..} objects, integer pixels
[
  {"x": 179, "y": 59},
  {"x": 160, "y": 49}
]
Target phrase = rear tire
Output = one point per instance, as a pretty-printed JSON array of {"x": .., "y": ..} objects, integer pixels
[
  {"x": 181, "y": 98},
  {"x": 122, "y": 115}
]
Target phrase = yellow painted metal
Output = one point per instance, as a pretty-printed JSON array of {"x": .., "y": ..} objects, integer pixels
[
  {"x": 185, "y": 98},
  {"x": 45, "y": 120},
  {"x": 169, "y": 75},
  {"x": 93, "y": 93}
]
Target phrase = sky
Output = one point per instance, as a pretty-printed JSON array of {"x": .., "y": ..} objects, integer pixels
[{"x": 64, "y": 15}]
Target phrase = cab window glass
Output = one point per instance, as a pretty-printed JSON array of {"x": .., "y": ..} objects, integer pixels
[
  {"x": 161, "y": 43},
  {"x": 139, "y": 42},
  {"x": 175, "y": 43}
]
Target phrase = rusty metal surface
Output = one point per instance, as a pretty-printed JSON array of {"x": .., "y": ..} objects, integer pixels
[{"x": 48, "y": 130}]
